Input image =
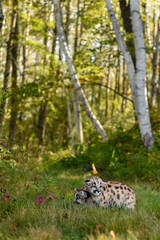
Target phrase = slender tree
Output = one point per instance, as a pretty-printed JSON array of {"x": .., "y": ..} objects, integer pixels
[
  {"x": 78, "y": 117},
  {"x": 41, "y": 121},
  {"x": 158, "y": 86},
  {"x": 76, "y": 103},
  {"x": 137, "y": 79},
  {"x": 123, "y": 47},
  {"x": 140, "y": 78},
  {"x": 127, "y": 23},
  {"x": 14, "y": 58},
  {"x": 74, "y": 77},
  {"x": 154, "y": 64},
  {"x": 7, "y": 67}
]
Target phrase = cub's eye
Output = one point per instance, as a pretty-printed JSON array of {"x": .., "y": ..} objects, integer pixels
[
  {"x": 77, "y": 197},
  {"x": 100, "y": 186}
]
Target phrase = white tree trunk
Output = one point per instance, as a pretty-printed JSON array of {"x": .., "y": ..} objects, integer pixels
[
  {"x": 68, "y": 103},
  {"x": 123, "y": 47},
  {"x": 137, "y": 80},
  {"x": 75, "y": 80},
  {"x": 69, "y": 117},
  {"x": 141, "y": 89},
  {"x": 78, "y": 118}
]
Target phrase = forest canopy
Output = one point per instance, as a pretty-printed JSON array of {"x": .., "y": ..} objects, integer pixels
[{"x": 40, "y": 104}]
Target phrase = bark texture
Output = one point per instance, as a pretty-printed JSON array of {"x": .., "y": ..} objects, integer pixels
[
  {"x": 141, "y": 89},
  {"x": 74, "y": 77}
]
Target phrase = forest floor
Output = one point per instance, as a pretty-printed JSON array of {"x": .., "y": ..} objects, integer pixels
[
  {"x": 62, "y": 219},
  {"x": 37, "y": 191}
]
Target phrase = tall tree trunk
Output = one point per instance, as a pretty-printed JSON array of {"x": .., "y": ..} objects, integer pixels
[
  {"x": 158, "y": 87},
  {"x": 141, "y": 89},
  {"x": 7, "y": 68},
  {"x": 137, "y": 81},
  {"x": 127, "y": 22},
  {"x": 75, "y": 80},
  {"x": 116, "y": 86},
  {"x": 123, "y": 48},
  {"x": 154, "y": 64},
  {"x": 14, "y": 57},
  {"x": 69, "y": 117},
  {"x": 41, "y": 122},
  {"x": 67, "y": 20},
  {"x": 76, "y": 104},
  {"x": 44, "y": 103},
  {"x": 81, "y": 24},
  {"x": 78, "y": 118},
  {"x": 76, "y": 30},
  {"x": 68, "y": 104},
  {"x": 107, "y": 90},
  {"x": 123, "y": 88},
  {"x": 1, "y": 15},
  {"x": 25, "y": 32}
]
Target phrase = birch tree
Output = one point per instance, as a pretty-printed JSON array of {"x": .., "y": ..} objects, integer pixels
[
  {"x": 137, "y": 77},
  {"x": 76, "y": 103},
  {"x": 78, "y": 117},
  {"x": 140, "y": 78},
  {"x": 123, "y": 47},
  {"x": 76, "y": 83}
]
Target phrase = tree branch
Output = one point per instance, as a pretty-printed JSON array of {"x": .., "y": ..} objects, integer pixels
[{"x": 103, "y": 85}]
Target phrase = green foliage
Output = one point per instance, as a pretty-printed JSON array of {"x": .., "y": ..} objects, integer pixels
[{"x": 122, "y": 157}]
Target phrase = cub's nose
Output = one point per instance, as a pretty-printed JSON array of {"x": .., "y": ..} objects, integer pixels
[{"x": 96, "y": 192}]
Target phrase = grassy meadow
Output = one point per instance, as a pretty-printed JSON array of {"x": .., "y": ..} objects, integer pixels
[
  {"x": 37, "y": 192},
  {"x": 62, "y": 219}
]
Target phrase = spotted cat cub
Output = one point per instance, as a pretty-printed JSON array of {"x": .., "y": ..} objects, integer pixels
[
  {"x": 110, "y": 194},
  {"x": 82, "y": 196}
]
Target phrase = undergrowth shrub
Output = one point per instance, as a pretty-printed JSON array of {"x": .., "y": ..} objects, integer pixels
[{"x": 122, "y": 157}]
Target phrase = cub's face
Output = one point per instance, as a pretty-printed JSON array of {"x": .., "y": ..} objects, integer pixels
[
  {"x": 94, "y": 185},
  {"x": 81, "y": 195}
]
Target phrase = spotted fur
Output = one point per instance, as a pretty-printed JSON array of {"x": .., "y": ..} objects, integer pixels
[
  {"x": 110, "y": 194},
  {"x": 82, "y": 196}
]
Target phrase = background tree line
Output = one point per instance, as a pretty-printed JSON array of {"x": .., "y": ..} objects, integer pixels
[{"x": 40, "y": 103}]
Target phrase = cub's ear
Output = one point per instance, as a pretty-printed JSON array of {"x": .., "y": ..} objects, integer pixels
[
  {"x": 75, "y": 189},
  {"x": 86, "y": 182}
]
